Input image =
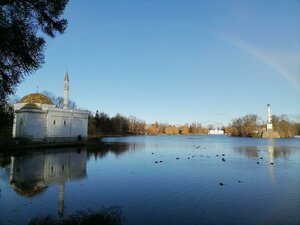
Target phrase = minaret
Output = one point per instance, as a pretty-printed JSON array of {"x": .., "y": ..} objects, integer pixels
[
  {"x": 269, "y": 118},
  {"x": 66, "y": 91}
]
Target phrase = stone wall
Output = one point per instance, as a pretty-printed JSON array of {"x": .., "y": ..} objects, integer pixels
[{"x": 270, "y": 134}]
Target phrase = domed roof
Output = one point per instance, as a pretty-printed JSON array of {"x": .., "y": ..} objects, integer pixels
[
  {"x": 31, "y": 106},
  {"x": 28, "y": 190},
  {"x": 36, "y": 98}
]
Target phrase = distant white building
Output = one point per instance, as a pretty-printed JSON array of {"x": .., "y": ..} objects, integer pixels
[
  {"x": 216, "y": 131},
  {"x": 38, "y": 119}
]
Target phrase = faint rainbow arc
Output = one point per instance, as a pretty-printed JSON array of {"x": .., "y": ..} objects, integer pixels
[{"x": 263, "y": 58}]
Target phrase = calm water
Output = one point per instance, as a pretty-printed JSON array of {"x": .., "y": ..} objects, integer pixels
[{"x": 182, "y": 189}]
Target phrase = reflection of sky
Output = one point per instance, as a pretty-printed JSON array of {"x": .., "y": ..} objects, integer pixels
[
  {"x": 189, "y": 184},
  {"x": 122, "y": 171}
]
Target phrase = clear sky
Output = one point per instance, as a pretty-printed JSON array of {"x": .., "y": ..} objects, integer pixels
[{"x": 177, "y": 61}]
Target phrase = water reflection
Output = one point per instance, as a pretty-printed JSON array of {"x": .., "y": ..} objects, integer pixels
[
  {"x": 31, "y": 174},
  {"x": 273, "y": 151},
  {"x": 4, "y": 161},
  {"x": 183, "y": 191},
  {"x": 249, "y": 151},
  {"x": 101, "y": 149}
]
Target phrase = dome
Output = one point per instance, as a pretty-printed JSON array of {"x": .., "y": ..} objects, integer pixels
[
  {"x": 28, "y": 190},
  {"x": 36, "y": 98},
  {"x": 31, "y": 106}
]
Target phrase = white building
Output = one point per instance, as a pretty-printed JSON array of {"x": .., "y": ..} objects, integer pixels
[
  {"x": 38, "y": 119},
  {"x": 269, "y": 132},
  {"x": 269, "y": 118},
  {"x": 216, "y": 131}
]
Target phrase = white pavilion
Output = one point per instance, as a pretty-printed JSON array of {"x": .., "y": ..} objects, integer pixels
[{"x": 36, "y": 118}]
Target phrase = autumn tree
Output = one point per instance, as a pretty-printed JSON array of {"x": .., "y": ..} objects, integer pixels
[
  {"x": 196, "y": 128},
  {"x": 184, "y": 130},
  {"x": 284, "y": 126},
  {"x": 297, "y": 128},
  {"x": 136, "y": 126},
  {"x": 246, "y": 126},
  {"x": 171, "y": 130},
  {"x": 153, "y": 129},
  {"x": 250, "y": 125},
  {"x": 232, "y": 131}
]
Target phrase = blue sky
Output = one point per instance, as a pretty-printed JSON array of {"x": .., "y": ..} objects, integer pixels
[{"x": 177, "y": 61}]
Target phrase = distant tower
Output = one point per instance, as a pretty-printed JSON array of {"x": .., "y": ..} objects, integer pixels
[
  {"x": 269, "y": 118},
  {"x": 66, "y": 91}
]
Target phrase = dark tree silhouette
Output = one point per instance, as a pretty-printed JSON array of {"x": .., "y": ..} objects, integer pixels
[
  {"x": 6, "y": 122},
  {"x": 21, "y": 46}
]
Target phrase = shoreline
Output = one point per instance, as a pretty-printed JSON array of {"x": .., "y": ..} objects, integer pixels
[
  {"x": 32, "y": 146},
  {"x": 90, "y": 142}
]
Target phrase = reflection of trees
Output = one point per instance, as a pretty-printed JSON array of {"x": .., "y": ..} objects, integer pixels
[
  {"x": 252, "y": 151},
  {"x": 107, "y": 216},
  {"x": 282, "y": 152},
  {"x": 249, "y": 151},
  {"x": 102, "y": 148},
  {"x": 4, "y": 160}
]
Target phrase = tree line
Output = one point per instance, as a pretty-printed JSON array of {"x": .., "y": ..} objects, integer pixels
[
  {"x": 252, "y": 126},
  {"x": 102, "y": 124}
]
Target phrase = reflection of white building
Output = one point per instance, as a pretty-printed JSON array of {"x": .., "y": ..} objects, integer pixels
[
  {"x": 31, "y": 174},
  {"x": 38, "y": 119},
  {"x": 216, "y": 131}
]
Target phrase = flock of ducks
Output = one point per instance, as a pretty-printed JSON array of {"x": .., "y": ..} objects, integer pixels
[{"x": 217, "y": 155}]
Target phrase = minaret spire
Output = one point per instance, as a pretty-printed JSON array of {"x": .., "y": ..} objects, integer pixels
[{"x": 66, "y": 90}]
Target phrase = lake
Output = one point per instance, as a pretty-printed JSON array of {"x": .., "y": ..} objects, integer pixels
[{"x": 158, "y": 180}]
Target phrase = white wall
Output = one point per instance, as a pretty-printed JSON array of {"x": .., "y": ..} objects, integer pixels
[
  {"x": 30, "y": 125},
  {"x": 79, "y": 127},
  {"x": 51, "y": 123},
  {"x": 58, "y": 124},
  {"x": 35, "y": 125},
  {"x": 68, "y": 123}
]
